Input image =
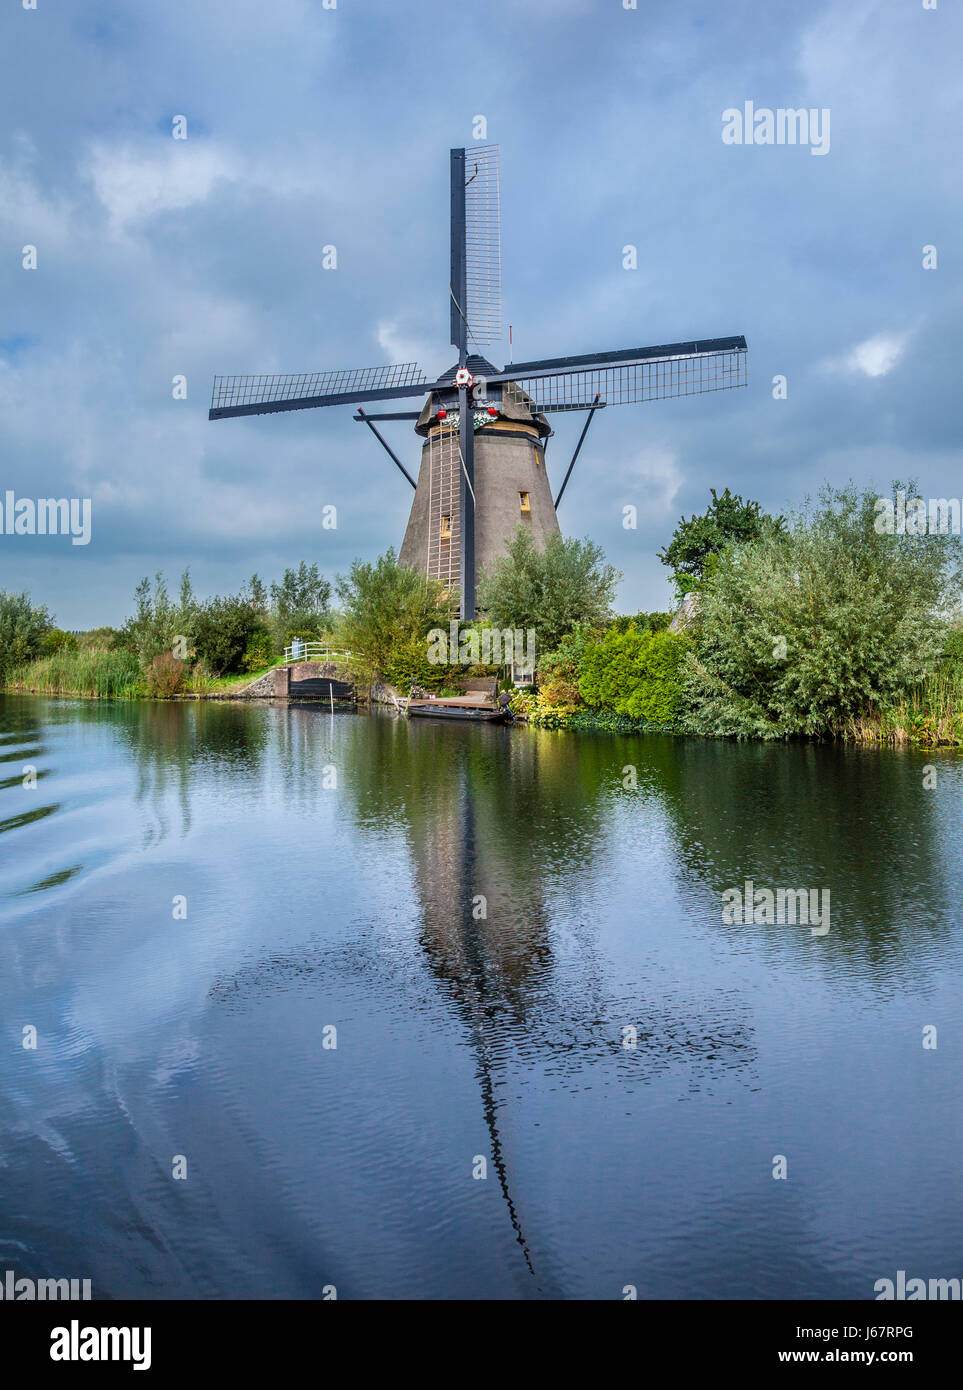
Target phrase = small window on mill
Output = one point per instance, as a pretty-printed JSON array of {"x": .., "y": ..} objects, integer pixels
[
  {"x": 446, "y": 528},
  {"x": 524, "y": 503}
]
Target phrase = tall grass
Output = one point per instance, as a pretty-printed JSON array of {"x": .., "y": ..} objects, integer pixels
[
  {"x": 103, "y": 674},
  {"x": 931, "y": 715}
]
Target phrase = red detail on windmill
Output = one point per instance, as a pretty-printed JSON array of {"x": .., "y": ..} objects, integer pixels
[
  {"x": 492, "y": 410},
  {"x": 463, "y": 377},
  {"x": 443, "y": 415}
]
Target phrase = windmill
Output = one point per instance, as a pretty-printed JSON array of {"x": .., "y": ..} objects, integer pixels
[{"x": 484, "y": 429}]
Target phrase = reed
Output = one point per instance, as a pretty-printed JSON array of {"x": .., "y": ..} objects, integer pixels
[
  {"x": 930, "y": 715},
  {"x": 101, "y": 674}
]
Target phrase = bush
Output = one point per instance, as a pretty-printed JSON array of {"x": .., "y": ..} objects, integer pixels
[
  {"x": 635, "y": 674},
  {"x": 558, "y": 672},
  {"x": 22, "y": 629},
  {"x": 833, "y": 622},
  {"x": 56, "y": 640},
  {"x": 259, "y": 651},
  {"x": 165, "y": 676},
  {"x": 223, "y": 628},
  {"x": 408, "y": 661}
]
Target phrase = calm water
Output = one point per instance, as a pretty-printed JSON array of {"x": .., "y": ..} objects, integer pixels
[{"x": 354, "y": 905}]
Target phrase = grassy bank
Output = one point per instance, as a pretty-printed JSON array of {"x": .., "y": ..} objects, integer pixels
[{"x": 111, "y": 675}]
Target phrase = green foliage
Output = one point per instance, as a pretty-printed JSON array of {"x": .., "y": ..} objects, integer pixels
[
  {"x": 222, "y": 631},
  {"x": 166, "y": 676},
  {"x": 153, "y": 627},
  {"x": 387, "y": 611},
  {"x": 101, "y": 639},
  {"x": 84, "y": 672},
  {"x": 558, "y": 672},
  {"x": 302, "y": 597},
  {"x": 727, "y": 520},
  {"x": 551, "y": 590},
  {"x": 408, "y": 661},
  {"x": 645, "y": 622},
  {"x": 56, "y": 640},
  {"x": 259, "y": 651},
  {"x": 807, "y": 631},
  {"x": 22, "y": 628},
  {"x": 635, "y": 674}
]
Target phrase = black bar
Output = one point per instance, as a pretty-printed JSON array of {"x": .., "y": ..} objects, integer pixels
[
  {"x": 466, "y": 432},
  {"x": 458, "y": 284},
  {"x": 384, "y": 393},
  {"x": 598, "y": 359},
  {"x": 387, "y": 448},
  {"x": 391, "y": 415},
  {"x": 581, "y": 441}
]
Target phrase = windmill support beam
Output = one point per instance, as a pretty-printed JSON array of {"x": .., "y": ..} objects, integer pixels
[
  {"x": 387, "y": 447},
  {"x": 466, "y": 440},
  {"x": 581, "y": 440}
]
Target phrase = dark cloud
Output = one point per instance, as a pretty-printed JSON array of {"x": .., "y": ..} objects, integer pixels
[{"x": 310, "y": 126}]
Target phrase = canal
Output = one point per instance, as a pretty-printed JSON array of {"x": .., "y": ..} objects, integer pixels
[{"x": 294, "y": 1002}]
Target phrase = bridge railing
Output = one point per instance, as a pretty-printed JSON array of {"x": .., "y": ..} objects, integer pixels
[{"x": 299, "y": 650}]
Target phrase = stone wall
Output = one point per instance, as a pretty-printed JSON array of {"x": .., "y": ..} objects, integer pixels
[{"x": 269, "y": 685}]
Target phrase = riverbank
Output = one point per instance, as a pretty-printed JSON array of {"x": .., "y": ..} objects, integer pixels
[{"x": 910, "y": 724}]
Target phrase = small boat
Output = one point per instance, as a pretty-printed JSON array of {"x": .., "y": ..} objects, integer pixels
[{"x": 480, "y": 701}]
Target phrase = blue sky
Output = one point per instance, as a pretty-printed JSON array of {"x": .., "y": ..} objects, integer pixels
[{"x": 310, "y": 126}]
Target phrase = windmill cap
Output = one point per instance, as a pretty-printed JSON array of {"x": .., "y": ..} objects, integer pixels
[{"x": 511, "y": 409}]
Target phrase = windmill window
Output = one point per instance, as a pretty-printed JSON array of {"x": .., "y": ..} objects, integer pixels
[
  {"x": 446, "y": 528},
  {"x": 524, "y": 503}
]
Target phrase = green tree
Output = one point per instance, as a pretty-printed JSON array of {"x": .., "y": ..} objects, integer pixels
[
  {"x": 22, "y": 628},
  {"x": 726, "y": 521},
  {"x": 154, "y": 625},
  {"x": 223, "y": 628},
  {"x": 802, "y": 631},
  {"x": 552, "y": 590},
  {"x": 301, "y": 591},
  {"x": 384, "y": 608}
]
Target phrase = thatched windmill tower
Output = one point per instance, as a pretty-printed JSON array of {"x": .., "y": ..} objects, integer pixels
[{"x": 483, "y": 460}]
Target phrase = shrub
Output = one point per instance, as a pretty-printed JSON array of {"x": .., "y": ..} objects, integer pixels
[
  {"x": 223, "y": 628},
  {"x": 56, "y": 640},
  {"x": 165, "y": 676},
  {"x": 22, "y": 628},
  {"x": 259, "y": 651},
  {"x": 635, "y": 674},
  {"x": 558, "y": 672},
  {"x": 408, "y": 661},
  {"x": 808, "y": 632}
]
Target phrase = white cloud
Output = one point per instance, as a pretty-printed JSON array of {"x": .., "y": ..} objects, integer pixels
[
  {"x": 401, "y": 347},
  {"x": 134, "y": 183},
  {"x": 877, "y": 356},
  {"x": 655, "y": 471},
  {"x": 132, "y": 186}
]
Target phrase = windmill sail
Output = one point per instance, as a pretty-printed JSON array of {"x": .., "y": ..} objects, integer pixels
[
  {"x": 264, "y": 395},
  {"x": 624, "y": 378},
  {"x": 483, "y": 245}
]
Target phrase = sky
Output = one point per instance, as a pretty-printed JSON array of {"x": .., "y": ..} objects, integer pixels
[{"x": 309, "y": 126}]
